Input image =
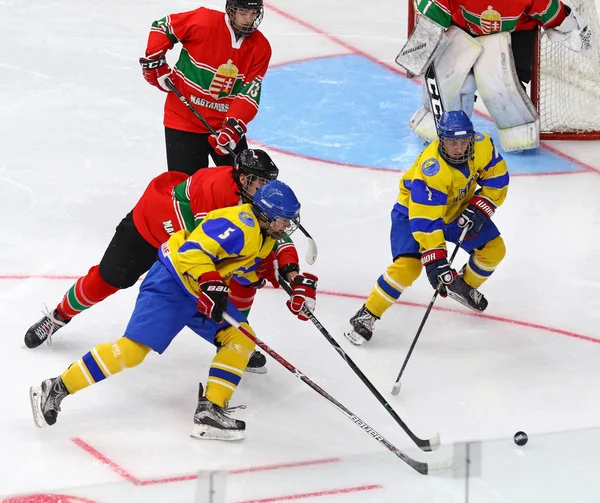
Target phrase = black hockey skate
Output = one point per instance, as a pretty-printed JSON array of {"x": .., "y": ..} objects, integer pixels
[
  {"x": 257, "y": 364},
  {"x": 44, "y": 329},
  {"x": 213, "y": 422},
  {"x": 361, "y": 327},
  {"x": 468, "y": 296},
  {"x": 46, "y": 399}
]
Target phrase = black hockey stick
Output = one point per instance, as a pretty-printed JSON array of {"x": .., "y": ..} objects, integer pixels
[
  {"x": 426, "y": 445},
  {"x": 396, "y": 387},
  {"x": 433, "y": 90},
  {"x": 419, "y": 466},
  {"x": 312, "y": 252}
]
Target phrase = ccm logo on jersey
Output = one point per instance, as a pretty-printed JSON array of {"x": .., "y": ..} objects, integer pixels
[{"x": 165, "y": 249}]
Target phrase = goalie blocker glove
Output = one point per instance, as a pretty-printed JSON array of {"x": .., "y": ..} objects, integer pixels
[
  {"x": 212, "y": 296},
  {"x": 476, "y": 215},
  {"x": 156, "y": 71},
  {"x": 230, "y": 134},
  {"x": 438, "y": 269},
  {"x": 304, "y": 294}
]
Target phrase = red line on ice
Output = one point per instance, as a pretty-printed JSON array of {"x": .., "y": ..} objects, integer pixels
[{"x": 501, "y": 319}]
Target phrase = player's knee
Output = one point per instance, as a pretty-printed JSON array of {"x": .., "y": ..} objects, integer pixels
[
  {"x": 405, "y": 270},
  {"x": 232, "y": 339},
  {"x": 129, "y": 353},
  {"x": 119, "y": 277},
  {"x": 493, "y": 252}
]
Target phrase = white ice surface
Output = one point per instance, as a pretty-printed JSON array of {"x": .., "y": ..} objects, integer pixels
[{"x": 80, "y": 137}]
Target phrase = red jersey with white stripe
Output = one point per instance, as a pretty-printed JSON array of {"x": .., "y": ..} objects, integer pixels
[
  {"x": 160, "y": 212},
  {"x": 220, "y": 74}
]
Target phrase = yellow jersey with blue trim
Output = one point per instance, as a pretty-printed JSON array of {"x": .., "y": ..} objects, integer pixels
[
  {"x": 434, "y": 193},
  {"x": 228, "y": 240}
]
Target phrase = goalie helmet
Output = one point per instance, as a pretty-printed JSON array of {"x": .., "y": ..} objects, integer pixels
[
  {"x": 455, "y": 125},
  {"x": 255, "y": 164},
  {"x": 276, "y": 203},
  {"x": 235, "y": 9}
]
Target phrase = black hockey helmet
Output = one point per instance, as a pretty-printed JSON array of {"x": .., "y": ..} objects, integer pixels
[
  {"x": 254, "y": 164},
  {"x": 233, "y": 6}
]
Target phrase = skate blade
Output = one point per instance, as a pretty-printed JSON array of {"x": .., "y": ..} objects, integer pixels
[
  {"x": 462, "y": 301},
  {"x": 354, "y": 338},
  {"x": 211, "y": 433},
  {"x": 35, "y": 393},
  {"x": 256, "y": 370}
]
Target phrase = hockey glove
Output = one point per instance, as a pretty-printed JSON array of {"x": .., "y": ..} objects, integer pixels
[
  {"x": 156, "y": 71},
  {"x": 476, "y": 215},
  {"x": 212, "y": 296},
  {"x": 304, "y": 294},
  {"x": 230, "y": 134},
  {"x": 573, "y": 33},
  {"x": 438, "y": 270},
  {"x": 267, "y": 270}
]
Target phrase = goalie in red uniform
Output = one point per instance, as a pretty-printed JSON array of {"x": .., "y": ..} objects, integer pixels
[
  {"x": 488, "y": 46},
  {"x": 220, "y": 69},
  {"x": 172, "y": 202}
]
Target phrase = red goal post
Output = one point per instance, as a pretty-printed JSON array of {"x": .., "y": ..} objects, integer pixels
[{"x": 565, "y": 86}]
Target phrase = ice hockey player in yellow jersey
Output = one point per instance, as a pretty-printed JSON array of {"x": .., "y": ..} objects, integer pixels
[
  {"x": 188, "y": 286},
  {"x": 458, "y": 180}
]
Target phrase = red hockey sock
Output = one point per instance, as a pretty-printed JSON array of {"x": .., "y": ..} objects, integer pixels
[{"x": 87, "y": 291}]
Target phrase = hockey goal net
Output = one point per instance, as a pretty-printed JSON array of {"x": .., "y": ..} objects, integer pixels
[{"x": 565, "y": 86}]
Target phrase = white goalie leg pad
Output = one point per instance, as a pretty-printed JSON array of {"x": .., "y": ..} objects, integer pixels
[
  {"x": 503, "y": 95},
  {"x": 420, "y": 46},
  {"x": 423, "y": 123},
  {"x": 453, "y": 63}
]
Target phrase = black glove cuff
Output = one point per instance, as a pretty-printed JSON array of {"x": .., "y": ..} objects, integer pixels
[
  {"x": 287, "y": 268},
  {"x": 151, "y": 64}
]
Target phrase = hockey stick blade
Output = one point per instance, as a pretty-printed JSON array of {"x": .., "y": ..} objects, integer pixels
[
  {"x": 312, "y": 252},
  {"x": 396, "y": 387},
  {"x": 420, "y": 466},
  {"x": 424, "y": 444}
]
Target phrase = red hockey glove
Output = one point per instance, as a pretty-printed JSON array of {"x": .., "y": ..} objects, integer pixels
[
  {"x": 438, "y": 269},
  {"x": 267, "y": 270},
  {"x": 476, "y": 215},
  {"x": 230, "y": 134},
  {"x": 304, "y": 294},
  {"x": 156, "y": 71},
  {"x": 212, "y": 296}
]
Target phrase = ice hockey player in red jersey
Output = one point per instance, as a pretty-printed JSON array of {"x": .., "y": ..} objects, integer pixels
[
  {"x": 172, "y": 202},
  {"x": 488, "y": 46},
  {"x": 220, "y": 69}
]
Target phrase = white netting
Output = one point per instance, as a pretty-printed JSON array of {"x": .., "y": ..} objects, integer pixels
[{"x": 569, "y": 83}]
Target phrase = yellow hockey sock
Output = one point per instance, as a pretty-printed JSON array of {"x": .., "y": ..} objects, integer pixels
[
  {"x": 229, "y": 364},
  {"x": 103, "y": 361},
  {"x": 483, "y": 262},
  {"x": 401, "y": 274}
]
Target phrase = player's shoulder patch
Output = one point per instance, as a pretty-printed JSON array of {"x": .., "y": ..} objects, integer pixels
[
  {"x": 479, "y": 136},
  {"x": 430, "y": 166},
  {"x": 247, "y": 219}
]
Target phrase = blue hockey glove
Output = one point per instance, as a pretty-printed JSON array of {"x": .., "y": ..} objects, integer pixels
[
  {"x": 476, "y": 215},
  {"x": 438, "y": 270}
]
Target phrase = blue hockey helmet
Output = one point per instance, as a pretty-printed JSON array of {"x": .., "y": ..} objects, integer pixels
[
  {"x": 455, "y": 125},
  {"x": 276, "y": 201}
]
